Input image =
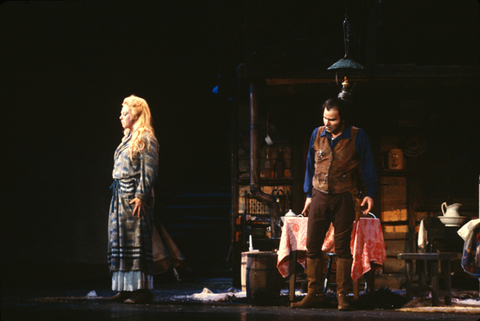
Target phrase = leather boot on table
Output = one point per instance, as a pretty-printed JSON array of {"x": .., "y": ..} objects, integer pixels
[
  {"x": 344, "y": 279},
  {"x": 315, "y": 296}
]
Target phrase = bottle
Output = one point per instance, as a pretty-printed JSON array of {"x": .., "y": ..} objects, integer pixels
[
  {"x": 279, "y": 165},
  {"x": 268, "y": 167}
]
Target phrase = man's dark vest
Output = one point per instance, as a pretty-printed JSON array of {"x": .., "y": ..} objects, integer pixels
[{"x": 336, "y": 171}]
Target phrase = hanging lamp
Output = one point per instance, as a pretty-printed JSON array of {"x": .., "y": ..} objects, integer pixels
[{"x": 345, "y": 63}]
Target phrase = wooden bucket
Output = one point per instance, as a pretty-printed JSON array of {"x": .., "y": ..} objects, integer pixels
[{"x": 263, "y": 278}]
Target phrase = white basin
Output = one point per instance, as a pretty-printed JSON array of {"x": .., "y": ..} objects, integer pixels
[{"x": 453, "y": 220}]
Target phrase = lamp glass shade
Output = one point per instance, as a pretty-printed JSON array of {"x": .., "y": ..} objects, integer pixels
[{"x": 345, "y": 63}]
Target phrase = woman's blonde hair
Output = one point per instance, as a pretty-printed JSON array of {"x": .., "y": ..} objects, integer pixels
[{"x": 139, "y": 109}]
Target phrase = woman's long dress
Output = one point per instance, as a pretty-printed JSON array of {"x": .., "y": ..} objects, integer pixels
[{"x": 130, "y": 255}]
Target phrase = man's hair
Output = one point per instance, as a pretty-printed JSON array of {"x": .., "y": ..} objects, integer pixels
[{"x": 341, "y": 106}]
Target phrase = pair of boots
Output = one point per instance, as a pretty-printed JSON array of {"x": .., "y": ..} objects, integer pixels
[{"x": 315, "y": 295}]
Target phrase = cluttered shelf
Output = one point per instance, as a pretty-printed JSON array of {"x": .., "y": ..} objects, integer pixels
[
  {"x": 432, "y": 206},
  {"x": 275, "y": 181}
]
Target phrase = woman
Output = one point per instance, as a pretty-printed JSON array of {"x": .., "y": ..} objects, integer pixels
[{"x": 131, "y": 217}]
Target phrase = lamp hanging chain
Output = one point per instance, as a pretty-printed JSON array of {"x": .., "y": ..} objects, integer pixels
[{"x": 346, "y": 32}]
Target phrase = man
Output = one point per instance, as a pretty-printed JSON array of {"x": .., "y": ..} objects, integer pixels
[{"x": 339, "y": 167}]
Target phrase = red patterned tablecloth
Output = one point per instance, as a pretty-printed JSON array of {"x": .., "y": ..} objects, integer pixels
[
  {"x": 294, "y": 238},
  {"x": 367, "y": 244}
]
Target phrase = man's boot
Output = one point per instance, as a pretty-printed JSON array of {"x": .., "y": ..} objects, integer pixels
[
  {"x": 344, "y": 280},
  {"x": 315, "y": 294}
]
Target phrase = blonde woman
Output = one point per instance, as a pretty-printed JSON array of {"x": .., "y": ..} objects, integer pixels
[{"x": 131, "y": 217}]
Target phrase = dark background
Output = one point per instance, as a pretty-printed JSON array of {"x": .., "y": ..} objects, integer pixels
[{"x": 65, "y": 68}]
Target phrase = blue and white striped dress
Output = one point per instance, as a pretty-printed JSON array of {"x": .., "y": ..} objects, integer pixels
[{"x": 130, "y": 238}]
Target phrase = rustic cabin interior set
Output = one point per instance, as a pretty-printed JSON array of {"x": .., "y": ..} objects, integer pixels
[
  {"x": 415, "y": 159},
  {"x": 418, "y": 116}
]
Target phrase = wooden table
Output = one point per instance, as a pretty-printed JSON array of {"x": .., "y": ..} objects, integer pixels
[
  {"x": 445, "y": 259},
  {"x": 368, "y": 249}
]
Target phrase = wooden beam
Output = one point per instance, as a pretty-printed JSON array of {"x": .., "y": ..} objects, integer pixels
[{"x": 311, "y": 75}]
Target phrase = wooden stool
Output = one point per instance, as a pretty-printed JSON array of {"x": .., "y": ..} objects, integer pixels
[
  {"x": 328, "y": 271},
  {"x": 433, "y": 259}
]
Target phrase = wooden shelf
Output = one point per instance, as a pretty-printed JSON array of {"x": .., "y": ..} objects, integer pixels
[
  {"x": 391, "y": 223},
  {"x": 269, "y": 181},
  {"x": 395, "y": 172}
]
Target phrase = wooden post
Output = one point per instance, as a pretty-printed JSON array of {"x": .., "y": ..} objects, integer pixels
[{"x": 412, "y": 182}]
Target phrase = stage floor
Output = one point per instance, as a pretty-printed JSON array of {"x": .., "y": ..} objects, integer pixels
[{"x": 173, "y": 301}]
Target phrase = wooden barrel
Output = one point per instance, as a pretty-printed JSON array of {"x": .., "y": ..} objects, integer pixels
[
  {"x": 263, "y": 278},
  {"x": 243, "y": 270}
]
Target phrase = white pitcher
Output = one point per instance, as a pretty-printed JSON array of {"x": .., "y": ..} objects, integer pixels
[
  {"x": 450, "y": 210},
  {"x": 290, "y": 214}
]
